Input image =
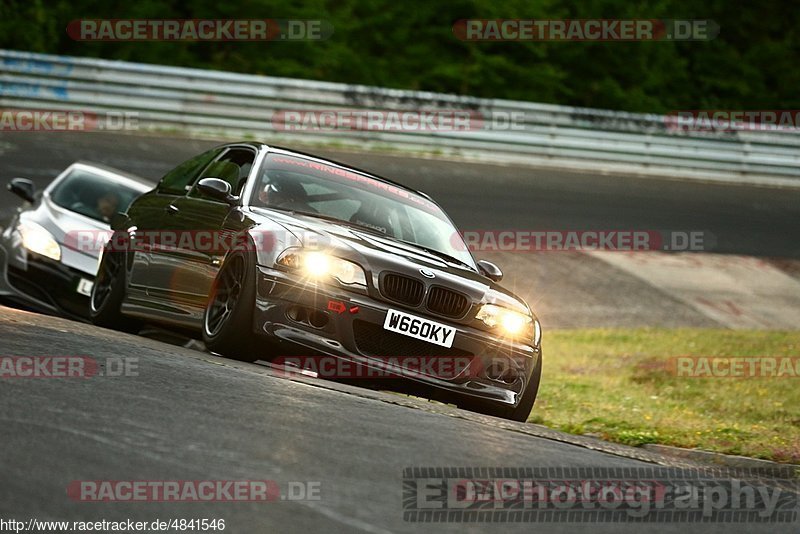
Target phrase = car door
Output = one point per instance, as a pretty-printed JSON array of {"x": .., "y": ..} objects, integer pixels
[
  {"x": 206, "y": 227},
  {"x": 153, "y": 216}
]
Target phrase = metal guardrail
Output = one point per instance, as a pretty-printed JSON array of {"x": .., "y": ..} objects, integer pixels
[{"x": 229, "y": 105}]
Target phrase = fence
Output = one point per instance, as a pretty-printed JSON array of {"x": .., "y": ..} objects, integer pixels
[{"x": 230, "y": 105}]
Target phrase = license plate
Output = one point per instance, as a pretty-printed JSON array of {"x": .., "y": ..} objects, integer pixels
[
  {"x": 85, "y": 287},
  {"x": 417, "y": 327}
]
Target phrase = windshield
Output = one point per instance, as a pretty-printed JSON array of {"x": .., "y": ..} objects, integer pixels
[
  {"x": 301, "y": 185},
  {"x": 93, "y": 196}
]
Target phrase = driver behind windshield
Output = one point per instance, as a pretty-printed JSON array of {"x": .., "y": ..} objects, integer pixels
[
  {"x": 107, "y": 205},
  {"x": 285, "y": 194}
]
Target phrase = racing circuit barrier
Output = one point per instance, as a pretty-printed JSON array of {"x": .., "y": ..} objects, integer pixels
[{"x": 228, "y": 105}]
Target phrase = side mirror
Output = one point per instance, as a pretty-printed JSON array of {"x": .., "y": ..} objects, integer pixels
[
  {"x": 23, "y": 188},
  {"x": 490, "y": 270},
  {"x": 118, "y": 221},
  {"x": 217, "y": 189}
]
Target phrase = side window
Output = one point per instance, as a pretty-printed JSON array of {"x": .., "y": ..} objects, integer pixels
[
  {"x": 180, "y": 179},
  {"x": 233, "y": 167}
]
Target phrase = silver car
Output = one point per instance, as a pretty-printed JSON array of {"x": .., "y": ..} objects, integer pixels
[{"x": 49, "y": 249}]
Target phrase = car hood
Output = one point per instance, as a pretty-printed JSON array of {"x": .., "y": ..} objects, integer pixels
[
  {"x": 81, "y": 238},
  {"x": 378, "y": 254}
]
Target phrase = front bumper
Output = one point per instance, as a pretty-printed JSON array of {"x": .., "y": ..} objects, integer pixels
[
  {"x": 309, "y": 320},
  {"x": 43, "y": 284}
]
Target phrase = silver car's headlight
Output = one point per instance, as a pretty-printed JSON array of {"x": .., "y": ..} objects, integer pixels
[
  {"x": 37, "y": 239},
  {"x": 510, "y": 323},
  {"x": 320, "y": 265}
]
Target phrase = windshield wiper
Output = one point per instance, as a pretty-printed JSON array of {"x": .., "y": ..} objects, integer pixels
[
  {"x": 327, "y": 218},
  {"x": 439, "y": 254}
]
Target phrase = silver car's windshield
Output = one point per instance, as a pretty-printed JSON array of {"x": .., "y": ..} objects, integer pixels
[
  {"x": 93, "y": 196},
  {"x": 306, "y": 186}
]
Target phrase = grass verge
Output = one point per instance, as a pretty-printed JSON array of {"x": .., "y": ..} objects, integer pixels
[{"x": 622, "y": 385}]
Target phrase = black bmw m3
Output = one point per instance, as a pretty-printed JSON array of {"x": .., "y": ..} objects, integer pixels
[{"x": 269, "y": 252}]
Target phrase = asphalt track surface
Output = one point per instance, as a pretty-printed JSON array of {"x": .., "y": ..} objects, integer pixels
[
  {"x": 186, "y": 415},
  {"x": 747, "y": 220},
  {"x": 183, "y": 415}
]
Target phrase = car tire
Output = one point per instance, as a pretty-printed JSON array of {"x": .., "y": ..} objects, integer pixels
[
  {"x": 108, "y": 293},
  {"x": 519, "y": 413},
  {"x": 228, "y": 318}
]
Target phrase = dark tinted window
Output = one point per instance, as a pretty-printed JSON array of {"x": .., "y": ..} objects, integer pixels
[
  {"x": 233, "y": 167},
  {"x": 92, "y": 195},
  {"x": 316, "y": 188},
  {"x": 180, "y": 179}
]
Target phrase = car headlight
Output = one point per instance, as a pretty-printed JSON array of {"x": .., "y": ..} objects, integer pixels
[
  {"x": 37, "y": 239},
  {"x": 319, "y": 265},
  {"x": 510, "y": 323}
]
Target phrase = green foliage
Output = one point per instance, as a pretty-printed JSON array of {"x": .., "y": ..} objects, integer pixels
[{"x": 411, "y": 44}]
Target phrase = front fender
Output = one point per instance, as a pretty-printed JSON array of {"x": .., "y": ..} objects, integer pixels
[{"x": 270, "y": 240}]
